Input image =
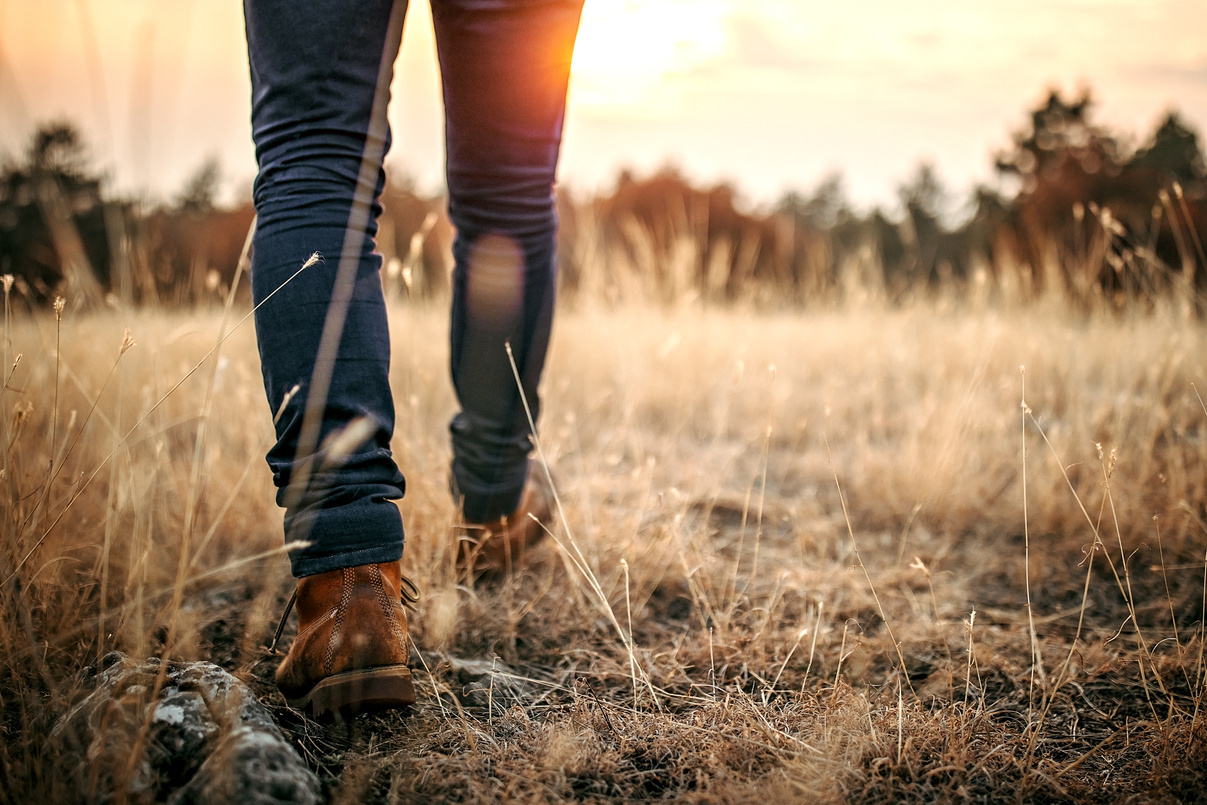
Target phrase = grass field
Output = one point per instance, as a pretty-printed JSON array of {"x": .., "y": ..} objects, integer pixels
[{"x": 840, "y": 555}]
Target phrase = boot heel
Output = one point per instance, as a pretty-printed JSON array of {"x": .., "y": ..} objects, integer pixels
[{"x": 360, "y": 691}]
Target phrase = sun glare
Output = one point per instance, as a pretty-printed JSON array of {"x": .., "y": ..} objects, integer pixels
[{"x": 629, "y": 51}]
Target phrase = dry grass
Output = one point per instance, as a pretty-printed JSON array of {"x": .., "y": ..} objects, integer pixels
[{"x": 752, "y": 640}]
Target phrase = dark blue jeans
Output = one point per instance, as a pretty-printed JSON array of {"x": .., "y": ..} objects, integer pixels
[{"x": 320, "y": 81}]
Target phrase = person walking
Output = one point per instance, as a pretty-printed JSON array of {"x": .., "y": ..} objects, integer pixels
[{"x": 321, "y": 73}]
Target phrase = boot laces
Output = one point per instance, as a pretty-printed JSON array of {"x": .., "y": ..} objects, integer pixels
[{"x": 408, "y": 594}]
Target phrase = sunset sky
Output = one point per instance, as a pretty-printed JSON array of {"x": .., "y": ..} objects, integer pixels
[{"x": 767, "y": 94}]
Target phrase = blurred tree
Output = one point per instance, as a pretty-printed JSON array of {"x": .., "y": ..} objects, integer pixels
[
  {"x": 191, "y": 247},
  {"x": 925, "y": 201},
  {"x": 1175, "y": 154},
  {"x": 823, "y": 209},
  {"x": 923, "y": 194},
  {"x": 57, "y": 149},
  {"x": 52, "y": 222},
  {"x": 1084, "y": 213},
  {"x": 1059, "y": 144},
  {"x": 1065, "y": 166},
  {"x": 59, "y": 235},
  {"x": 200, "y": 189}
]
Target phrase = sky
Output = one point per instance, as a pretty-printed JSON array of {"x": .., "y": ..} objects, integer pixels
[{"x": 768, "y": 95}]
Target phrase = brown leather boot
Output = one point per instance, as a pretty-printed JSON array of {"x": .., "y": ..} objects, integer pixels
[
  {"x": 351, "y": 651},
  {"x": 499, "y": 546}
]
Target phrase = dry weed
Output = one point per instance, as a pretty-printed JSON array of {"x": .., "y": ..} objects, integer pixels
[{"x": 714, "y": 636}]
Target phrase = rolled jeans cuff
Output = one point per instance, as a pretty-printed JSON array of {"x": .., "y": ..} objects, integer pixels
[{"x": 367, "y": 531}]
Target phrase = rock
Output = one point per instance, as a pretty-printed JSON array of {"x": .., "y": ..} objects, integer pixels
[
  {"x": 252, "y": 767},
  {"x": 207, "y": 739}
]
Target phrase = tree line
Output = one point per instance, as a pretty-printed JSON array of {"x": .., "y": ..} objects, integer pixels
[{"x": 1083, "y": 215}]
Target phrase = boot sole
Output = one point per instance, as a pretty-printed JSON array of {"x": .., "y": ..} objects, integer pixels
[{"x": 361, "y": 691}]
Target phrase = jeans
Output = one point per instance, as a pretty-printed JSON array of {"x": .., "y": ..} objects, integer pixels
[{"x": 320, "y": 73}]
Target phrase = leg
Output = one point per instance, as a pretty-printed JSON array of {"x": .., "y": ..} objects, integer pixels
[
  {"x": 318, "y": 120},
  {"x": 320, "y": 80},
  {"x": 505, "y": 65}
]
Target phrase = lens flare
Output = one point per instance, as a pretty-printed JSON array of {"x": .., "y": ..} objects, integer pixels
[{"x": 628, "y": 53}]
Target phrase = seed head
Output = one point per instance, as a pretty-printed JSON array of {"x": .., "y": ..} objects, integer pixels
[
  {"x": 7, "y": 279},
  {"x": 127, "y": 341},
  {"x": 59, "y": 304}
]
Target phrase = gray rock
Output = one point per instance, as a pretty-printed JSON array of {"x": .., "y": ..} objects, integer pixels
[
  {"x": 249, "y": 766},
  {"x": 204, "y": 739}
]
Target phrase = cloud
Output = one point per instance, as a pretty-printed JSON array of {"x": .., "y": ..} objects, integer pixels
[{"x": 755, "y": 44}]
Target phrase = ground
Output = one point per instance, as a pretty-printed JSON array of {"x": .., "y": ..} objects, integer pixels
[{"x": 859, "y": 554}]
